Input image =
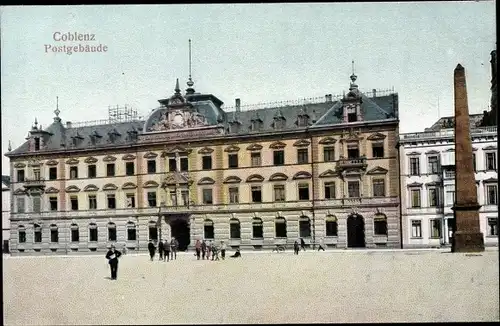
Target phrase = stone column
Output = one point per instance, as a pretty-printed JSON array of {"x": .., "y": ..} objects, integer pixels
[{"x": 467, "y": 236}]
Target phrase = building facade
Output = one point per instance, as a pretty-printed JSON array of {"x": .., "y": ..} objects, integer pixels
[
  {"x": 428, "y": 183},
  {"x": 255, "y": 178},
  {"x": 5, "y": 212}
]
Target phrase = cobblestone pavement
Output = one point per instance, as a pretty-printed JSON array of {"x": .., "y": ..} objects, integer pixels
[{"x": 335, "y": 286}]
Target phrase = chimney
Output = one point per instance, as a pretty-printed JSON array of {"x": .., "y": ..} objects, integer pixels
[
  {"x": 237, "y": 105},
  {"x": 68, "y": 124},
  {"x": 328, "y": 97},
  {"x": 374, "y": 92}
]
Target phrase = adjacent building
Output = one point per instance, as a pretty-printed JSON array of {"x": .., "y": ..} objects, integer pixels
[
  {"x": 317, "y": 168},
  {"x": 428, "y": 182},
  {"x": 5, "y": 212}
]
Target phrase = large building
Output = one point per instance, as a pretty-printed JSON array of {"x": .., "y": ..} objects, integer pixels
[
  {"x": 324, "y": 168},
  {"x": 5, "y": 212},
  {"x": 428, "y": 182}
]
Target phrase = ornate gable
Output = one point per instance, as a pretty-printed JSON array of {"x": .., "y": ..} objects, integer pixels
[
  {"x": 278, "y": 177},
  {"x": 490, "y": 180},
  {"x": 109, "y": 158},
  {"x": 328, "y": 141},
  {"x": 431, "y": 152},
  {"x": 109, "y": 186},
  {"x": 128, "y": 157},
  {"x": 205, "y": 150},
  {"x": 150, "y": 155},
  {"x": 277, "y": 145},
  {"x": 376, "y": 136},
  {"x": 72, "y": 189},
  {"x": 206, "y": 181},
  {"x": 176, "y": 149},
  {"x": 232, "y": 149},
  {"x": 302, "y": 175},
  {"x": 232, "y": 179},
  {"x": 302, "y": 143},
  {"x": 90, "y": 160},
  {"x": 352, "y": 136},
  {"x": 254, "y": 147},
  {"x": 20, "y": 191},
  {"x": 91, "y": 187},
  {"x": 377, "y": 170},
  {"x": 19, "y": 165},
  {"x": 255, "y": 178},
  {"x": 150, "y": 184},
  {"x": 415, "y": 184},
  {"x": 413, "y": 153},
  {"x": 129, "y": 185},
  {"x": 52, "y": 163},
  {"x": 51, "y": 190},
  {"x": 329, "y": 174},
  {"x": 72, "y": 161},
  {"x": 489, "y": 148}
]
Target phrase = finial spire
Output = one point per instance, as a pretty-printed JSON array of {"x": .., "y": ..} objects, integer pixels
[
  {"x": 177, "y": 89},
  {"x": 190, "y": 83},
  {"x": 10, "y": 146},
  {"x": 353, "y": 76}
]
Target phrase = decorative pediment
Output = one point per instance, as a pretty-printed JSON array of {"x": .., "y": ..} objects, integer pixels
[
  {"x": 150, "y": 184},
  {"x": 52, "y": 162},
  {"x": 431, "y": 152},
  {"x": 352, "y": 136},
  {"x": 232, "y": 148},
  {"x": 302, "y": 175},
  {"x": 72, "y": 189},
  {"x": 129, "y": 185},
  {"x": 51, "y": 190},
  {"x": 150, "y": 155},
  {"x": 415, "y": 184},
  {"x": 176, "y": 149},
  {"x": 109, "y": 186},
  {"x": 206, "y": 181},
  {"x": 205, "y": 150},
  {"x": 35, "y": 163},
  {"x": 254, "y": 147},
  {"x": 451, "y": 149},
  {"x": 19, "y": 191},
  {"x": 91, "y": 188},
  {"x": 328, "y": 174},
  {"x": 232, "y": 179},
  {"x": 302, "y": 143},
  {"x": 490, "y": 180},
  {"x": 377, "y": 170},
  {"x": 277, "y": 145},
  {"x": 176, "y": 178},
  {"x": 328, "y": 141},
  {"x": 474, "y": 149},
  {"x": 109, "y": 158},
  {"x": 72, "y": 161},
  {"x": 376, "y": 136},
  {"x": 90, "y": 160},
  {"x": 433, "y": 184},
  {"x": 19, "y": 165},
  {"x": 489, "y": 148},
  {"x": 413, "y": 154},
  {"x": 255, "y": 178},
  {"x": 128, "y": 157},
  {"x": 278, "y": 177}
]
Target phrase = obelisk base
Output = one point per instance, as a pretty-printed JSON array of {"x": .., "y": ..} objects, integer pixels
[{"x": 464, "y": 241}]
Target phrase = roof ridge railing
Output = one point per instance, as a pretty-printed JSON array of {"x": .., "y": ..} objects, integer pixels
[{"x": 91, "y": 123}]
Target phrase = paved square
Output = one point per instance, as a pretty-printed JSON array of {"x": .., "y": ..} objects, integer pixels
[{"x": 335, "y": 286}]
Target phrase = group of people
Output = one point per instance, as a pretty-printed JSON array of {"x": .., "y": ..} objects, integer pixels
[
  {"x": 166, "y": 249},
  {"x": 300, "y": 244},
  {"x": 210, "y": 249}
]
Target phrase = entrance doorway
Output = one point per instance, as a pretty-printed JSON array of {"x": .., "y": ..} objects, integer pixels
[
  {"x": 355, "y": 231},
  {"x": 180, "y": 230}
]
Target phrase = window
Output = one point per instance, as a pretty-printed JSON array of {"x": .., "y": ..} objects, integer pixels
[
  {"x": 449, "y": 174},
  {"x": 415, "y": 197},
  {"x": 37, "y": 203},
  {"x": 234, "y": 195},
  {"x": 452, "y": 224},
  {"x": 433, "y": 197},
  {"x": 152, "y": 198},
  {"x": 207, "y": 196},
  {"x": 378, "y": 187},
  {"x": 279, "y": 157},
  {"x": 378, "y": 149},
  {"x": 304, "y": 227},
  {"x": 111, "y": 231},
  {"x": 52, "y": 173},
  {"x": 92, "y": 171},
  {"x": 352, "y": 151},
  {"x": 21, "y": 205},
  {"x": 37, "y": 144},
  {"x": 130, "y": 200},
  {"x": 256, "y": 194},
  {"x": 302, "y": 156},
  {"x": 416, "y": 229},
  {"x": 208, "y": 229},
  {"x": 492, "y": 226},
  {"x": 172, "y": 164},
  {"x": 92, "y": 232},
  {"x": 73, "y": 172},
  {"x": 36, "y": 174},
  {"x": 234, "y": 229},
  {"x": 75, "y": 233},
  {"x": 232, "y": 160},
  {"x": 433, "y": 162},
  {"x": 435, "y": 228},
  {"x": 185, "y": 197},
  {"x": 53, "y": 203},
  {"x": 153, "y": 231},
  {"x": 38, "y": 232},
  {"x": 151, "y": 166},
  {"x": 184, "y": 164},
  {"x": 206, "y": 162},
  {"x": 131, "y": 231},
  {"x": 331, "y": 226},
  {"x": 414, "y": 166},
  {"x": 173, "y": 197},
  {"x": 474, "y": 162},
  {"x": 303, "y": 191},
  {"x": 351, "y": 117},
  {"x": 353, "y": 189},
  {"x": 257, "y": 229},
  {"x": 279, "y": 193},
  {"x": 20, "y": 175},
  {"x": 129, "y": 168},
  {"x": 255, "y": 159},
  {"x": 111, "y": 201},
  {"x": 450, "y": 195},
  {"x": 21, "y": 234},
  {"x": 491, "y": 191},
  {"x": 329, "y": 154},
  {"x": 54, "y": 233},
  {"x": 491, "y": 163},
  {"x": 110, "y": 169},
  {"x": 380, "y": 224},
  {"x": 92, "y": 202},
  {"x": 74, "y": 203},
  {"x": 280, "y": 227}
]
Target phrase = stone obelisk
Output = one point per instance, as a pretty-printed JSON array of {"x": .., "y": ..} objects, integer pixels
[{"x": 467, "y": 236}]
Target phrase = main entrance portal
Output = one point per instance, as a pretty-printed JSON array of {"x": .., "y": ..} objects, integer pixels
[
  {"x": 355, "y": 231},
  {"x": 180, "y": 230}
]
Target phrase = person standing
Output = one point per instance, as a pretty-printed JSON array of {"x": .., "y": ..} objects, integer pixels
[
  {"x": 174, "y": 245},
  {"x": 112, "y": 256},
  {"x": 166, "y": 248},
  {"x": 222, "y": 250},
  {"x": 321, "y": 244},
  {"x": 198, "y": 249},
  {"x": 203, "y": 249},
  {"x": 152, "y": 249},
  {"x": 215, "y": 252},
  {"x": 209, "y": 249},
  {"x": 160, "y": 249},
  {"x": 302, "y": 244},
  {"x": 296, "y": 247}
]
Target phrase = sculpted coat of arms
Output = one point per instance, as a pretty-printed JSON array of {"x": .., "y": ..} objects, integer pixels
[{"x": 179, "y": 120}]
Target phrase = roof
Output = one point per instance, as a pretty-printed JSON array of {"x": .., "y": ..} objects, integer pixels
[
  {"x": 449, "y": 122},
  {"x": 5, "y": 181}
]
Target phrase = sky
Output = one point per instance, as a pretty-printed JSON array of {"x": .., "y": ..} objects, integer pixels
[{"x": 256, "y": 52}]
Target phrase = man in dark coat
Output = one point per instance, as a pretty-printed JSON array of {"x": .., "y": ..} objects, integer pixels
[
  {"x": 302, "y": 244},
  {"x": 203, "y": 249},
  {"x": 166, "y": 248},
  {"x": 236, "y": 254},
  {"x": 160, "y": 249},
  {"x": 174, "y": 245},
  {"x": 152, "y": 249},
  {"x": 112, "y": 257}
]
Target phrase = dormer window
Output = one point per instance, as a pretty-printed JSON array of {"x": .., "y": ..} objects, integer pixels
[
  {"x": 302, "y": 119},
  {"x": 94, "y": 137},
  {"x": 37, "y": 144},
  {"x": 132, "y": 134},
  {"x": 76, "y": 139},
  {"x": 256, "y": 124},
  {"x": 113, "y": 135},
  {"x": 234, "y": 126},
  {"x": 279, "y": 123}
]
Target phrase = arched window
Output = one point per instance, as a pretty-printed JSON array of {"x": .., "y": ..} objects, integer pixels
[
  {"x": 75, "y": 233},
  {"x": 331, "y": 226},
  {"x": 304, "y": 227},
  {"x": 22, "y": 234},
  {"x": 92, "y": 232},
  {"x": 380, "y": 224},
  {"x": 38, "y": 232},
  {"x": 208, "y": 229},
  {"x": 111, "y": 231},
  {"x": 153, "y": 231},
  {"x": 235, "y": 229},
  {"x": 257, "y": 228},
  {"x": 280, "y": 227},
  {"x": 54, "y": 233},
  {"x": 131, "y": 231}
]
